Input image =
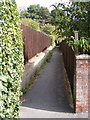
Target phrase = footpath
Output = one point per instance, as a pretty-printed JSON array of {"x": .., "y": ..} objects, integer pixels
[{"x": 46, "y": 98}]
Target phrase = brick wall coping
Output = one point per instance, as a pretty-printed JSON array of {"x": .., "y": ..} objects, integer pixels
[{"x": 83, "y": 56}]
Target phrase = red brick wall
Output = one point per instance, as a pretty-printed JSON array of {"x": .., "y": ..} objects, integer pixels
[
  {"x": 34, "y": 42},
  {"x": 89, "y": 88},
  {"x": 82, "y": 76}
]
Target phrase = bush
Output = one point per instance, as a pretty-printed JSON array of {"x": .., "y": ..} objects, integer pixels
[
  {"x": 83, "y": 45},
  {"x": 31, "y": 23},
  {"x": 52, "y": 40},
  {"x": 48, "y": 29},
  {"x": 11, "y": 59}
]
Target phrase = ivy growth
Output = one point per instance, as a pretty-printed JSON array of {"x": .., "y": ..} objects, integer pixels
[{"x": 11, "y": 59}]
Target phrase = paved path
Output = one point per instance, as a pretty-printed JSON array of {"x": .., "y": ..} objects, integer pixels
[{"x": 46, "y": 98}]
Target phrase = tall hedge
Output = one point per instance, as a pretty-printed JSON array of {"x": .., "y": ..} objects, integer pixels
[{"x": 11, "y": 59}]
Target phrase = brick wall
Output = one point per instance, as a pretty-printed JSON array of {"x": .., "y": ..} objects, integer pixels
[
  {"x": 82, "y": 77},
  {"x": 89, "y": 88},
  {"x": 34, "y": 42}
]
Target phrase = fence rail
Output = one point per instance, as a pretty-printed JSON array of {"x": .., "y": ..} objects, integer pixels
[{"x": 34, "y": 42}]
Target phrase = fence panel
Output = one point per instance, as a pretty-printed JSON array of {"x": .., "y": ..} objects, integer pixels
[
  {"x": 69, "y": 62},
  {"x": 34, "y": 42}
]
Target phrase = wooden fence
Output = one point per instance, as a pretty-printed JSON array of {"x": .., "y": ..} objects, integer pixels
[
  {"x": 77, "y": 68},
  {"x": 34, "y": 42},
  {"x": 69, "y": 62}
]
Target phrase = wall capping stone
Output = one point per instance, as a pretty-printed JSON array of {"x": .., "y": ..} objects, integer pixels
[{"x": 83, "y": 56}]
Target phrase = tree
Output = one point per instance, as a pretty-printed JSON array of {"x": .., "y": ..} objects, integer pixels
[
  {"x": 44, "y": 14},
  {"x": 80, "y": 17},
  {"x": 73, "y": 17},
  {"x": 24, "y": 14},
  {"x": 59, "y": 18},
  {"x": 36, "y": 12}
]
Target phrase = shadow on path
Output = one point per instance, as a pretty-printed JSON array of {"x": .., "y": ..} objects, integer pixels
[{"x": 48, "y": 91}]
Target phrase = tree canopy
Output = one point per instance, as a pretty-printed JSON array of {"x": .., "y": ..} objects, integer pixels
[
  {"x": 36, "y": 12},
  {"x": 70, "y": 18},
  {"x": 66, "y": 18}
]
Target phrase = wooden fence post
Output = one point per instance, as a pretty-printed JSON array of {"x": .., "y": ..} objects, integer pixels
[{"x": 76, "y": 38}]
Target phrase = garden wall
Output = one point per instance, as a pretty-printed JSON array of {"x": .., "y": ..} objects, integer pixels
[
  {"x": 34, "y": 42},
  {"x": 78, "y": 72},
  {"x": 82, "y": 77}
]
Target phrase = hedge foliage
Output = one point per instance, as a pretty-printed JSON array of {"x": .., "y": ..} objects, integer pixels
[
  {"x": 31, "y": 23},
  {"x": 11, "y": 59}
]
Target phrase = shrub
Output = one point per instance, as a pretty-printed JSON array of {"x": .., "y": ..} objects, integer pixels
[
  {"x": 52, "y": 40},
  {"x": 31, "y": 23},
  {"x": 48, "y": 29},
  {"x": 11, "y": 59},
  {"x": 83, "y": 45}
]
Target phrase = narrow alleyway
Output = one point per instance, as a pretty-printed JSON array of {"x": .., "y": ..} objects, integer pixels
[{"x": 46, "y": 98}]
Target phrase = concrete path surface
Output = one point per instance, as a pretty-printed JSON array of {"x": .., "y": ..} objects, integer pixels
[{"x": 46, "y": 98}]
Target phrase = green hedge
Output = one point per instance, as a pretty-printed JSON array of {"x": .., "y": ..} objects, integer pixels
[
  {"x": 31, "y": 23},
  {"x": 11, "y": 59}
]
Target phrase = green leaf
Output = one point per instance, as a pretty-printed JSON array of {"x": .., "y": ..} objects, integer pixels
[{"x": 3, "y": 78}]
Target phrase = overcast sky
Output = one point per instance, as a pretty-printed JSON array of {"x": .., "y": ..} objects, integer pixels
[{"x": 44, "y": 3}]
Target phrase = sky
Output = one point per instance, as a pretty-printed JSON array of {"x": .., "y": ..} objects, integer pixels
[{"x": 23, "y": 4}]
